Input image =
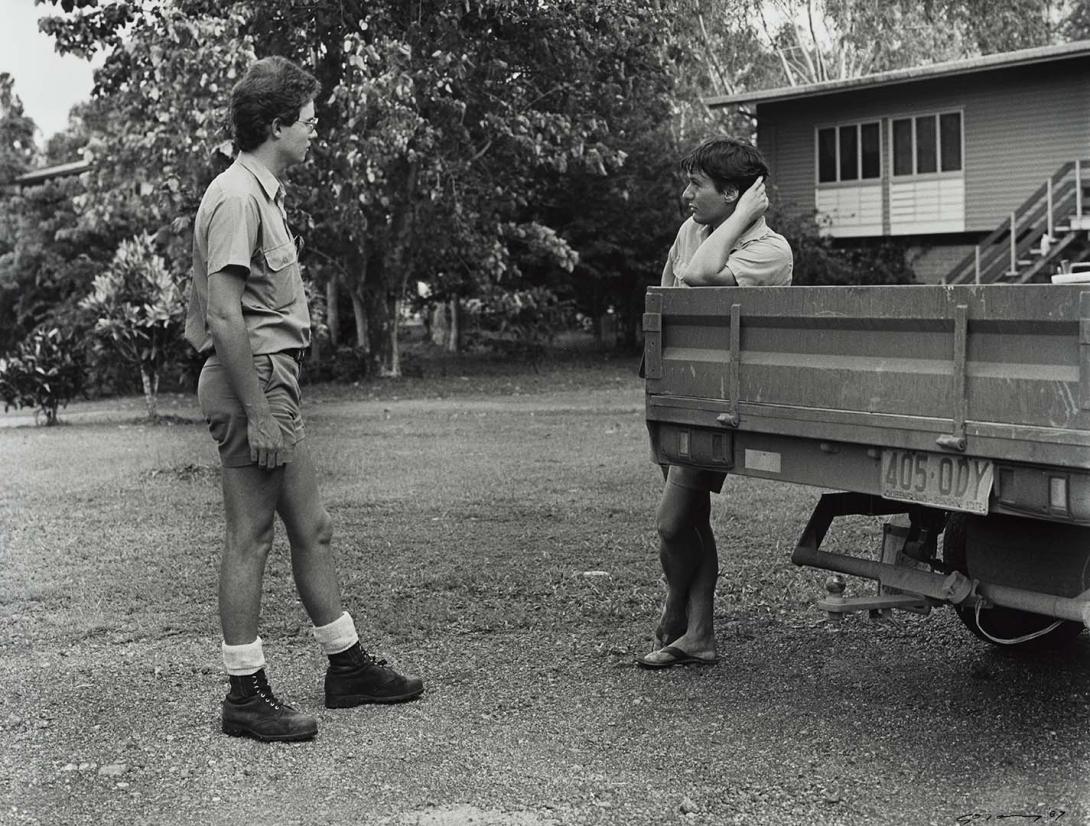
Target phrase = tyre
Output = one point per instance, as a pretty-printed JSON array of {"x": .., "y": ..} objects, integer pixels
[{"x": 1005, "y": 627}]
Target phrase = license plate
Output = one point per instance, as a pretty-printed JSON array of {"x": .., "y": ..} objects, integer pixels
[{"x": 950, "y": 482}]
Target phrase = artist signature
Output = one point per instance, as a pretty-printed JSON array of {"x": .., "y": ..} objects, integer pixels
[{"x": 1051, "y": 816}]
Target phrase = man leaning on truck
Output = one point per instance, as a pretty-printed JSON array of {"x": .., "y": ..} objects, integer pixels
[{"x": 724, "y": 242}]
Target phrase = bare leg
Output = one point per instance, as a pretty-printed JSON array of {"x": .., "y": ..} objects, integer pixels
[
  {"x": 699, "y": 636},
  {"x": 685, "y": 535},
  {"x": 249, "y": 497},
  {"x": 310, "y": 531}
]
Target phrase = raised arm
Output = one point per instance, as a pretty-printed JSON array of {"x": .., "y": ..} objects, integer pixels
[{"x": 705, "y": 268}]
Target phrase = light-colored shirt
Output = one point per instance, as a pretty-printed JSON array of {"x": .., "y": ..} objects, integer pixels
[
  {"x": 241, "y": 223},
  {"x": 759, "y": 258}
]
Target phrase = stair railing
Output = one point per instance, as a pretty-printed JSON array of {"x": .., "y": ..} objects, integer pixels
[{"x": 1050, "y": 201}]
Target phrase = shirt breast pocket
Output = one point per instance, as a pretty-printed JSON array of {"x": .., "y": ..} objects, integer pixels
[{"x": 277, "y": 289}]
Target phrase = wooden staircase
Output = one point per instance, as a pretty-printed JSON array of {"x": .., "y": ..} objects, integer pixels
[{"x": 1047, "y": 234}]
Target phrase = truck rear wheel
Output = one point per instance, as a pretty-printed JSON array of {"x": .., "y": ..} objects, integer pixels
[{"x": 993, "y": 549}]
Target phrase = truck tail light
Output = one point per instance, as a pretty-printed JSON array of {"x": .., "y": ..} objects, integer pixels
[{"x": 1057, "y": 494}]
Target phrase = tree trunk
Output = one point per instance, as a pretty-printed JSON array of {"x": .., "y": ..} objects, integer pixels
[
  {"x": 149, "y": 376},
  {"x": 359, "y": 310},
  {"x": 440, "y": 325},
  {"x": 377, "y": 313},
  {"x": 393, "y": 369},
  {"x": 332, "y": 311},
  {"x": 397, "y": 266},
  {"x": 355, "y": 280},
  {"x": 598, "y": 313},
  {"x": 454, "y": 338}
]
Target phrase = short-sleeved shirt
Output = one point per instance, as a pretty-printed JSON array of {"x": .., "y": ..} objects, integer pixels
[
  {"x": 241, "y": 223},
  {"x": 759, "y": 258}
]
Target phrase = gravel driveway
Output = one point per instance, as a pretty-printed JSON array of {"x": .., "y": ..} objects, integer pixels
[{"x": 864, "y": 724}]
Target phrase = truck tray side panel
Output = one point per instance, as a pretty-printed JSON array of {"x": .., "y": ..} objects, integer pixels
[{"x": 1005, "y": 367}]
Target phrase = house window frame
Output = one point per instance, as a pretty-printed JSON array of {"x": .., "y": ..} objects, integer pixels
[
  {"x": 937, "y": 115},
  {"x": 858, "y": 123}
]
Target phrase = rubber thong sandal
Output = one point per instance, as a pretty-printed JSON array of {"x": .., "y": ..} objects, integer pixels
[{"x": 674, "y": 656}]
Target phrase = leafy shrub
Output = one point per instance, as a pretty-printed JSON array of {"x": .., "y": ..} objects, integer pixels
[
  {"x": 139, "y": 313},
  {"x": 518, "y": 323},
  {"x": 819, "y": 260},
  {"x": 45, "y": 372},
  {"x": 349, "y": 364}
]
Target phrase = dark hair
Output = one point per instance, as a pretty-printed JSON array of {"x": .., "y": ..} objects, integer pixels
[
  {"x": 728, "y": 162},
  {"x": 273, "y": 88}
]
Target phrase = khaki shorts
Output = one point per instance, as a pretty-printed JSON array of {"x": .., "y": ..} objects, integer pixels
[
  {"x": 696, "y": 479},
  {"x": 278, "y": 376}
]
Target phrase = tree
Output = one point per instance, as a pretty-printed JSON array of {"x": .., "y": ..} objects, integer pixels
[
  {"x": 449, "y": 117},
  {"x": 17, "y": 153},
  {"x": 68, "y": 144},
  {"x": 820, "y": 40},
  {"x": 45, "y": 371},
  {"x": 990, "y": 27},
  {"x": 48, "y": 255},
  {"x": 17, "y": 148},
  {"x": 45, "y": 258},
  {"x": 441, "y": 124},
  {"x": 1076, "y": 25},
  {"x": 139, "y": 313},
  {"x": 49, "y": 260}
]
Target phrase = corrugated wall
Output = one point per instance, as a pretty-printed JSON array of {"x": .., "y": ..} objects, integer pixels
[{"x": 1020, "y": 125}]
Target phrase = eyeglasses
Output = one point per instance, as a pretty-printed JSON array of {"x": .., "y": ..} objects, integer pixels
[{"x": 310, "y": 123}]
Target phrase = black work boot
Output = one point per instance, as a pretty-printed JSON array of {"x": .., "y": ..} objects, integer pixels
[
  {"x": 355, "y": 677},
  {"x": 252, "y": 710}
]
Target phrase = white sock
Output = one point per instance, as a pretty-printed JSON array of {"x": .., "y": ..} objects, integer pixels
[
  {"x": 240, "y": 660},
  {"x": 338, "y": 636}
]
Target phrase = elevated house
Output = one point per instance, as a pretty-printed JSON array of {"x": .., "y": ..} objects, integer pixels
[{"x": 977, "y": 164}]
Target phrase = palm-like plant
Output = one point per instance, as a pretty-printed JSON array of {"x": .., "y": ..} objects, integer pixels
[{"x": 139, "y": 312}]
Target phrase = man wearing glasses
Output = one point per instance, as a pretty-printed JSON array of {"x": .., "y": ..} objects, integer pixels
[{"x": 248, "y": 313}]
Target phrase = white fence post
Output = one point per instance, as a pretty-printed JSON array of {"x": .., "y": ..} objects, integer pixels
[
  {"x": 1078, "y": 189},
  {"x": 1051, "y": 228},
  {"x": 1014, "y": 256}
]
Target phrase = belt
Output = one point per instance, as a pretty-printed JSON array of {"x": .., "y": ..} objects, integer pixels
[{"x": 298, "y": 354}]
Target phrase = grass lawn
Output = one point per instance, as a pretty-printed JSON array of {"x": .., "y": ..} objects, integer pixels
[{"x": 494, "y": 533}]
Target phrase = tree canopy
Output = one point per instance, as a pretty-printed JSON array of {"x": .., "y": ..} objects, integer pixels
[
  {"x": 17, "y": 147},
  {"x": 448, "y": 130}
]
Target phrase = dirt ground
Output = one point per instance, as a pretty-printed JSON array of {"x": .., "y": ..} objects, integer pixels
[{"x": 496, "y": 536}]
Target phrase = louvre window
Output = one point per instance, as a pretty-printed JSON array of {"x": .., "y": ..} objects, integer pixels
[
  {"x": 902, "y": 147},
  {"x": 849, "y": 153},
  {"x": 826, "y": 155},
  {"x": 927, "y": 144},
  {"x": 926, "y": 150},
  {"x": 950, "y": 141},
  {"x": 870, "y": 151}
]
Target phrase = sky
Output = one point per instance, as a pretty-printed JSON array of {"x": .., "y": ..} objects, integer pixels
[{"x": 47, "y": 83}]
